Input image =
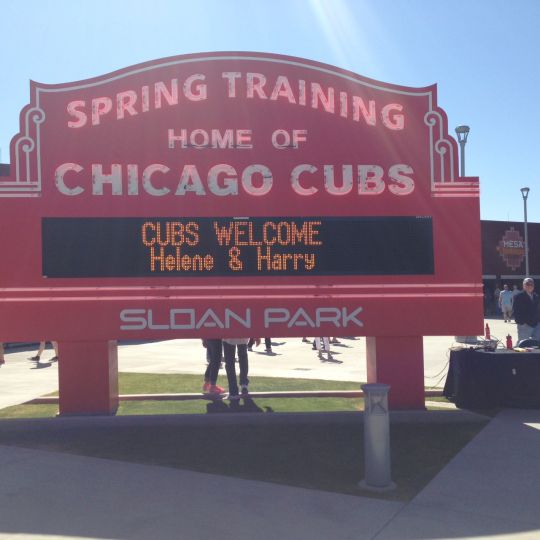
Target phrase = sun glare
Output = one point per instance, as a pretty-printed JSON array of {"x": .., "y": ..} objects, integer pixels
[{"x": 347, "y": 34}]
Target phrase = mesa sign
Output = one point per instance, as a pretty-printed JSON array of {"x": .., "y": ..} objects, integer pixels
[{"x": 235, "y": 194}]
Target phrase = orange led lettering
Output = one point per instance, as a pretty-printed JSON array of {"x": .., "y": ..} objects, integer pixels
[
  {"x": 170, "y": 263},
  {"x": 161, "y": 262},
  {"x": 192, "y": 233},
  {"x": 268, "y": 261},
  {"x": 234, "y": 262},
  {"x": 144, "y": 230},
  {"x": 223, "y": 234}
]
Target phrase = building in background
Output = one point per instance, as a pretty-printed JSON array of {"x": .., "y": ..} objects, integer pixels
[{"x": 503, "y": 256}]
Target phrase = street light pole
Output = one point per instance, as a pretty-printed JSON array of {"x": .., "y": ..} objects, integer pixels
[
  {"x": 462, "y": 133},
  {"x": 525, "y": 194}
]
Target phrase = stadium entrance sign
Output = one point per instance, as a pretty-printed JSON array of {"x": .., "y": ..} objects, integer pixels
[{"x": 232, "y": 194}]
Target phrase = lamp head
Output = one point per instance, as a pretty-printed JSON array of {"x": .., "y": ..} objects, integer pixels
[
  {"x": 462, "y": 133},
  {"x": 524, "y": 192}
]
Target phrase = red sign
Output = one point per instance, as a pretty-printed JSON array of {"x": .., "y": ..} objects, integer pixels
[{"x": 231, "y": 194}]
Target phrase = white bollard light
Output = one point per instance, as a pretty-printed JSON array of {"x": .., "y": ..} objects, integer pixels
[{"x": 377, "y": 468}]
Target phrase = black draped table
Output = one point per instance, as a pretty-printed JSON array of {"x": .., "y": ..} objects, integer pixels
[{"x": 479, "y": 379}]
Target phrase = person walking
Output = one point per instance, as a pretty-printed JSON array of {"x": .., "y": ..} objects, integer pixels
[
  {"x": 230, "y": 346},
  {"x": 506, "y": 301},
  {"x": 267, "y": 344},
  {"x": 526, "y": 311},
  {"x": 323, "y": 345},
  {"x": 42, "y": 345},
  {"x": 496, "y": 294}
]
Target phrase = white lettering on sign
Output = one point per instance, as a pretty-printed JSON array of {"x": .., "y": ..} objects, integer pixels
[
  {"x": 250, "y": 85},
  {"x": 370, "y": 179},
  {"x": 59, "y": 179},
  {"x": 215, "y": 138},
  {"x": 223, "y": 180},
  {"x": 282, "y": 139},
  {"x": 100, "y": 107},
  {"x": 100, "y": 179},
  {"x": 132, "y": 102},
  {"x": 341, "y": 318},
  {"x": 183, "y": 319},
  {"x": 295, "y": 179},
  {"x": 125, "y": 103},
  {"x": 513, "y": 243},
  {"x": 147, "y": 180},
  {"x": 300, "y": 92},
  {"x": 134, "y": 319}
]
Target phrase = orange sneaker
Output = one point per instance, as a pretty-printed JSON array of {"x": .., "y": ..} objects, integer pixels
[
  {"x": 215, "y": 389},
  {"x": 206, "y": 387}
]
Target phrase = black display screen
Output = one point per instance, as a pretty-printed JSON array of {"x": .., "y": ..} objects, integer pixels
[{"x": 259, "y": 246}]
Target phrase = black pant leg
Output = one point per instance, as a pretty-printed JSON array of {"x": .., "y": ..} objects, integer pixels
[
  {"x": 230, "y": 368},
  {"x": 215, "y": 348},
  {"x": 243, "y": 363}
]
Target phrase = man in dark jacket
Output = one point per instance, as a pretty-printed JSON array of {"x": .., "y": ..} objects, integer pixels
[{"x": 526, "y": 311}]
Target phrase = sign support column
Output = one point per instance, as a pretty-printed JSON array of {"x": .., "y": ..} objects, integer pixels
[
  {"x": 399, "y": 362},
  {"x": 88, "y": 377}
]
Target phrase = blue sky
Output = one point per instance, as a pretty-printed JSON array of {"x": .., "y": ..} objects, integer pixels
[{"x": 483, "y": 55}]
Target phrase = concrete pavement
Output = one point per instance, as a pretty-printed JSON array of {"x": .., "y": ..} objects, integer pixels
[
  {"x": 22, "y": 379},
  {"x": 47, "y": 495},
  {"x": 487, "y": 491}
]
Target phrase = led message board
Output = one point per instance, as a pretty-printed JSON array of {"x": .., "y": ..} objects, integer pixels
[
  {"x": 276, "y": 188},
  {"x": 132, "y": 247}
]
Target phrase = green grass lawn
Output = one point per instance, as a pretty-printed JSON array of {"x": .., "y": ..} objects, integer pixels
[
  {"x": 142, "y": 383},
  {"x": 325, "y": 455}
]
